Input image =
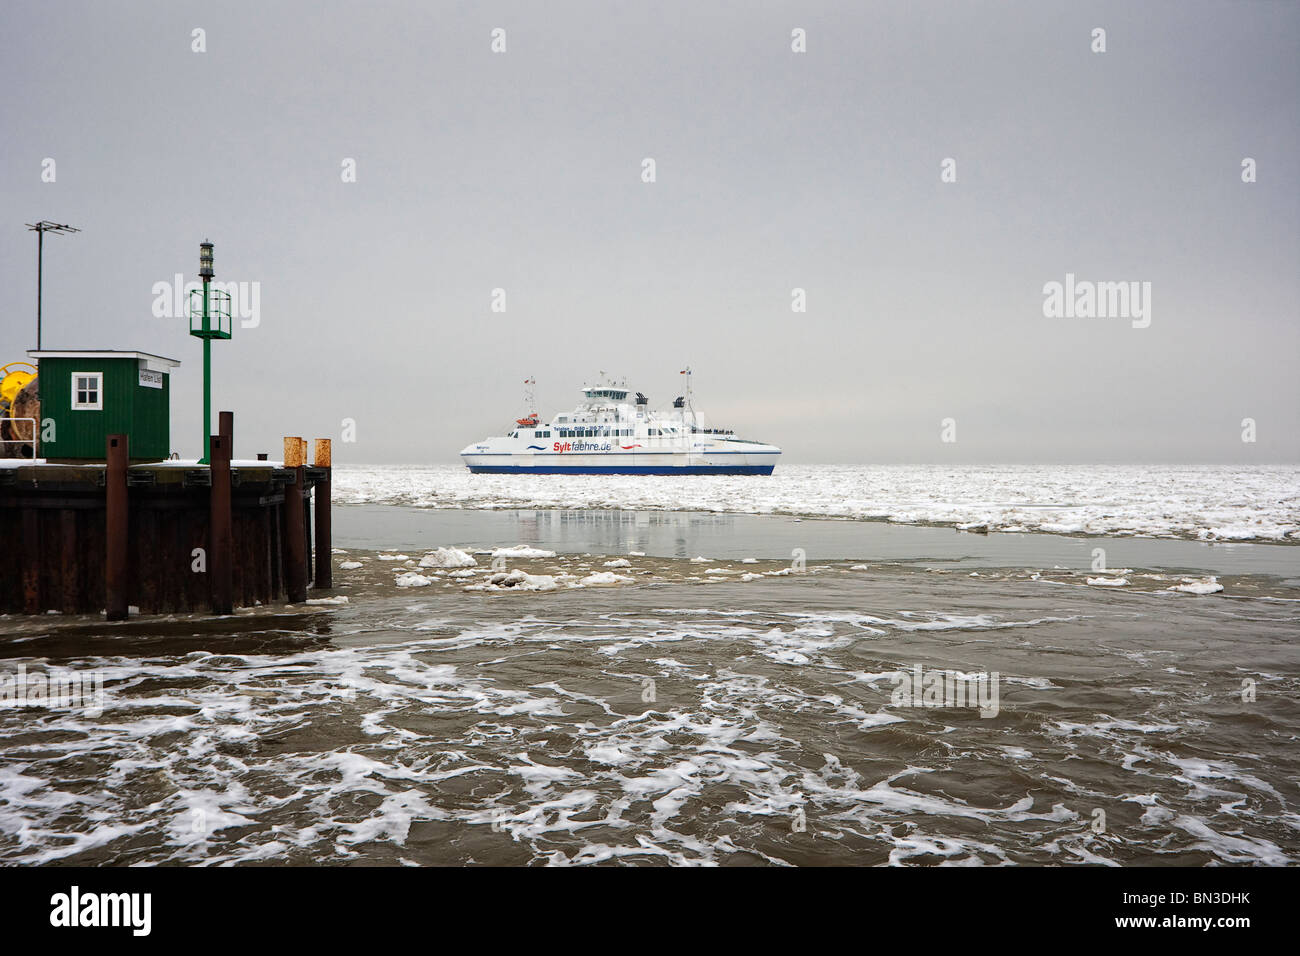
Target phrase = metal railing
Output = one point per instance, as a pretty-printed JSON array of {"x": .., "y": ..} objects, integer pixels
[{"x": 22, "y": 441}]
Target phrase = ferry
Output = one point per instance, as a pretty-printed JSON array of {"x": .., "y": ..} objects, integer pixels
[{"x": 612, "y": 431}]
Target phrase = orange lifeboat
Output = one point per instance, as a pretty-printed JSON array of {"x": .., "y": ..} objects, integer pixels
[{"x": 527, "y": 422}]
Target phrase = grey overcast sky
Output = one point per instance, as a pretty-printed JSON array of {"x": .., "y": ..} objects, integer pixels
[{"x": 775, "y": 170}]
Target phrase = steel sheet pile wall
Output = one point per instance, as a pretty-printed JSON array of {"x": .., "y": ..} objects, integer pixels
[{"x": 55, "y": 523}]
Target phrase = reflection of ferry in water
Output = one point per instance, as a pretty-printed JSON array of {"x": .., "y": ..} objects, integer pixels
[{"x": 610, "y": 433}]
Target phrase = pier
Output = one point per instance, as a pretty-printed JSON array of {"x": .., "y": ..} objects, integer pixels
[
  {"x": 97, "y": 514},
  {"x": 166, "y": 536}
]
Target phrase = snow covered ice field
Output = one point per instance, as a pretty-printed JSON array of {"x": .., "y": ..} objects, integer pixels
[{"x": 1209, "y": 503}]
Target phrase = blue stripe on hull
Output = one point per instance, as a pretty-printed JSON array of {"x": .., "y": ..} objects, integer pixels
[{"x": 620, "y": 470}]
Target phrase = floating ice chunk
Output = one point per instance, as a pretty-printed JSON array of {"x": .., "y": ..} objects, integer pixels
[
  {"x": 721, "y": 571},
  {"x": 1202, "y": 586},
  {"x": 601, "y": 578},
  {"x": 699, "y": 559},
  {"x": 522, "y": 551},
  {"x": 448, "y": 558},
  {"x": 749, "y": 576},
  {"x": 636, "y": 554},
  {"x": 349, "y": 565},
  {"x": 462, "y": 573},
  {"x": 412, "y": 579},
  {"x": 618, "y": 563},
  {"x": 749, "y": 560},
  {"x": 336, "y": 599},
  {"x": 394, "y": 557},
  {"x": 515, "y": 580},
  {"x": 1109, "y": 582}
]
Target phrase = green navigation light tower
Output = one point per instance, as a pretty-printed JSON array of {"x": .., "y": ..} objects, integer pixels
[{"x": 209, "y": 319}]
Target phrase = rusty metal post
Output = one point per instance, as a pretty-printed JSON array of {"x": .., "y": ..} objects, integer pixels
[
  {"x": 115, "y": 526},
  {"x": 220, "y": 540},
  {"x": 324, "y": 539},
  {"x": 295, "y": 522},
  {"x": 226, "y": 428}
]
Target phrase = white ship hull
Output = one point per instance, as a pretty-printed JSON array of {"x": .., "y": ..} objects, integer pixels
[{"x": 760, "y": 460}]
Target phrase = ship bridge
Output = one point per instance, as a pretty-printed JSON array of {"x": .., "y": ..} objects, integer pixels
[{"x": 605, "y": 393}]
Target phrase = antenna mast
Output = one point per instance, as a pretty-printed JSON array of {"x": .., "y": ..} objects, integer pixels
[
  {"x": 41, "y": 227},
  {"x": 690, "y": 399}
]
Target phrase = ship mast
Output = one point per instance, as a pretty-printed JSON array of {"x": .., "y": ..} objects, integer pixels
[
  {"x": 530, "y": 401},
  {"x": 690, "y": 400}
]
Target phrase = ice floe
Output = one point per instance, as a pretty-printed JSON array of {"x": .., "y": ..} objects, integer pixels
[
  {"x": 448, "y": 558},
  {"x": 522, "y": 551},
  {"x": 412, "y": 579},
  {"x": 1208, "y": 585}
]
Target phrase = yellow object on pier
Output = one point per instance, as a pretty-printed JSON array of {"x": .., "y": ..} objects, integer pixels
[{"x": 13, "y": 378}]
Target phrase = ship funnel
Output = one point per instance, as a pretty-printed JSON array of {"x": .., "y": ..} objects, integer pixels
[{"x": 641, "y": 399}]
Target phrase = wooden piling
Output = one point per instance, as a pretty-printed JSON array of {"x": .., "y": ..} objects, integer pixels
[
  {"x": 115, "y": 567},
  {"x": 324, "y": 538},
  {"x": 295, "y": 522},
  {"x": 220, "y": 548}
]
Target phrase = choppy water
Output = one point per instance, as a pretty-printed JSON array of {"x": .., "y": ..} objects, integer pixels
[{"x": 433, "y": 725}]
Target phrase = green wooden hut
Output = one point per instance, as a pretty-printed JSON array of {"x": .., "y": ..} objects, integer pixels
[{"x": 89, "y": 395}]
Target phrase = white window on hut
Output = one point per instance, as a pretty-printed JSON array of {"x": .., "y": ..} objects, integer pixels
[{"x": 88, "y": 391}]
